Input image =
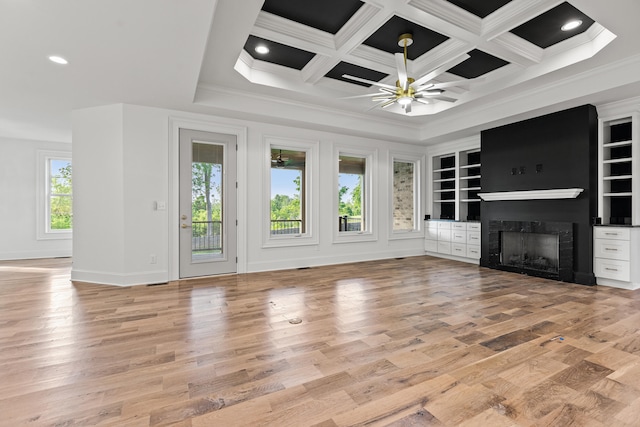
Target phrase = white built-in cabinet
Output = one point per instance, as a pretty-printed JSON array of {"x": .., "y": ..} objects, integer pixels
[
  {"x": 616, "y": 243},
  {"x": 453, "y": 239},
  {"x": 453, "y": 230}
]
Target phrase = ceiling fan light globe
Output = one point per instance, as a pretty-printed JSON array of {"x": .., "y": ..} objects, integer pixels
[{"x": 404, "y": 100}]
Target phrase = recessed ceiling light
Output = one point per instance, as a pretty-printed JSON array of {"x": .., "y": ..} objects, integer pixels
[
  {"x": 58, "y": 60},
  {"x": 571, "y": 25},
  {"x": 262, "y": 49}
]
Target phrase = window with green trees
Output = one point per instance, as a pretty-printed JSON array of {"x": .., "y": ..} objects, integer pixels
[
  {"x": 351, "y": 193},
  {"x": 288, "y": 216},
  {"x": 59, "y": 195}
]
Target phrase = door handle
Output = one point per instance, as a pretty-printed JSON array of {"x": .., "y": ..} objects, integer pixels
[{"x": 185, "y": 226}]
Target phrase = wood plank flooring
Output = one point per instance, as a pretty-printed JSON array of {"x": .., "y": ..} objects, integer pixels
[{"x": 410, "y": 342}]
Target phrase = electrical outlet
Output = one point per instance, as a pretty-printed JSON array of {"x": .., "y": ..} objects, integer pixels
[{"x": 153, "y": 259}]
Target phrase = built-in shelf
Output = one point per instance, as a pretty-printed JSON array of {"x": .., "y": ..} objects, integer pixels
[
  {"x": 470, "y": 177},
  {"x": 475, "y": 165},
  {"x": 444, "y": 170},
  {"x": 471, "y": 189},
  {"x": 612, "y": 178},
  {"x": 618, "y": 194},
  {"x": 621, "y": 160},
  {"x": 444, "y": 180},
  {"x": 470, "y": 200},
  {"x": 619, "y": 169},
  {"x": 445, "y": 201}
]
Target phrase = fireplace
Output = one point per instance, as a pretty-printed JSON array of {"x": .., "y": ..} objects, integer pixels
[{"x": 543, "y": 249}]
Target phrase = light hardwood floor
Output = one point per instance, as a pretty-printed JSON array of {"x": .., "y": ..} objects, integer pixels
[{"x": 413, "y": 342}]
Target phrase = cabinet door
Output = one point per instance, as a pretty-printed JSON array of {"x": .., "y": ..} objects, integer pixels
[
  {"x": 444, "y": 247},
  {"x": 444, "y": 235}
]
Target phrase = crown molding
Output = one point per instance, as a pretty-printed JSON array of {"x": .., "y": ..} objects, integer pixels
[
  {"x": 281, "y": 30},
  {"x": 450, "y": 13},
  {"x": 514, "y": 14}
]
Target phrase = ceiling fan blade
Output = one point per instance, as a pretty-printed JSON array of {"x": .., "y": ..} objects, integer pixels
[
  {"x": 371, "y": 82},
  {"x": 388, "y": 103},
  {"x": 403, "y": 79},
  {"x": 441, "y": 69},
  {"x": 383, "y": 104},
  {"x": 423, "y": 100},
  {"x": 387, "y": 90},
  {"x": 384, "y": 98}
]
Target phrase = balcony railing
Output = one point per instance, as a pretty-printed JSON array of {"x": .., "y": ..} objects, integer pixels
[
  {"x": 206, "y": 236},
  {"x": 286, "y": 226},
  {"x": 349, "y": 223}
]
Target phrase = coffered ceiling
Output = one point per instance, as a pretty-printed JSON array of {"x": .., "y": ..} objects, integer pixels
[{"x": 508, "y": 58}]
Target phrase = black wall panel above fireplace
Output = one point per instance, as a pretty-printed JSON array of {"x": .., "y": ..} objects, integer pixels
[{"x": 554, "y": 151}]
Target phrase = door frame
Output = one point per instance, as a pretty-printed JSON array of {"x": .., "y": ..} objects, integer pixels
[{"x": 240, "y": 132}]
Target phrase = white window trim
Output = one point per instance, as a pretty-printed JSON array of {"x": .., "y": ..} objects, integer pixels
[
  {"x": 312, "y": 182},
  {"x": 371, "y": 202},
  {"x": 418, "y": 228},
  {"x": 43, "y": 232}
]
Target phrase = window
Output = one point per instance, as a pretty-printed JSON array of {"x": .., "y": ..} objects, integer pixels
[
  {"x": 351, "y": 193},
  {"x": 354, "y": 204},
  {"x": 55, "y": 208},
  {"x": 288, "y": 192},
  {"x": 404, "y": 199},
  {"x": 290, "y": 186}
]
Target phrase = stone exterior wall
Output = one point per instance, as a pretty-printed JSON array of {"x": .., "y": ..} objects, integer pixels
[{"x": 403, "y": 198}]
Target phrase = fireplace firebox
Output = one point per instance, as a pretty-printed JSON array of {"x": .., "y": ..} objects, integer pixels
[{"x": 543, "y": 249}]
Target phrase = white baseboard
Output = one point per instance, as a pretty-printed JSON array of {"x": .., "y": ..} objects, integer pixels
[
  {"x": 129, "y": 279},
  {"x": 7, "y": 256},
  {"x": 286, "y": 264}
]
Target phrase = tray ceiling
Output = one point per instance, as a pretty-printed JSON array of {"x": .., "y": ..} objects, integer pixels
[{"x": 505, "y": 40}]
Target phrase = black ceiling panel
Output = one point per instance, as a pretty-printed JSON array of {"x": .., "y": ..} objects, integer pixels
[
  {"x": 479, "y": 64},
  {"x": 544, "y": 30},
  {"x": 325, "y": 15},
  {"x": 278, "y": 53},
  {"x": 386, "y": 37},
  {"x": 357, "y": 71},
  {"x": 482, "y": 8}
]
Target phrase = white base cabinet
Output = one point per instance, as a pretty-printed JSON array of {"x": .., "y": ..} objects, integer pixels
[
  {"x": 453, "y": 240},
  {"x": 616, "y": 256}
]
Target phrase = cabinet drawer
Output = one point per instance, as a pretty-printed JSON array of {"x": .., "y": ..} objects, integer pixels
[
  {"x": 459, "y": 226},
  {"x": 459, "y": 236},
  {"x": 444, "y": 247},
  {"x": 612, "y": 269},
  {"x": 444, "y": 225},
  {"x": 459, "y": 249},
  {"x": 473, "y": 237},
  {"x": 473, "y": 226},
  {"x": 473, "y": 251},
  {"x": 444, "y": 235},
  {"x": 613, "y": 233},
  {"x": 612, "y": 249},
  {"x": 431, "y": 245}
]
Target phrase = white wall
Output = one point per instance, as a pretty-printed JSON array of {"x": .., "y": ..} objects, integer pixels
[
  {"x": 19, "y": 198},
  {"x": 118, "y": 252}
]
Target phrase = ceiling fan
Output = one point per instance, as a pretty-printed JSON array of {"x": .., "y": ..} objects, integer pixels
[
  {"x": 407, "y": 90},
  {"x": 279, "y": 161}
]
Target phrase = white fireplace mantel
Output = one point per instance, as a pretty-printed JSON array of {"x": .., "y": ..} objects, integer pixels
[{"x": 559, "y": 193}]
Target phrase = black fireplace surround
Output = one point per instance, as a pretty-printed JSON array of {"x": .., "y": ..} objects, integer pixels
[{"x": 564, "y": 233}]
